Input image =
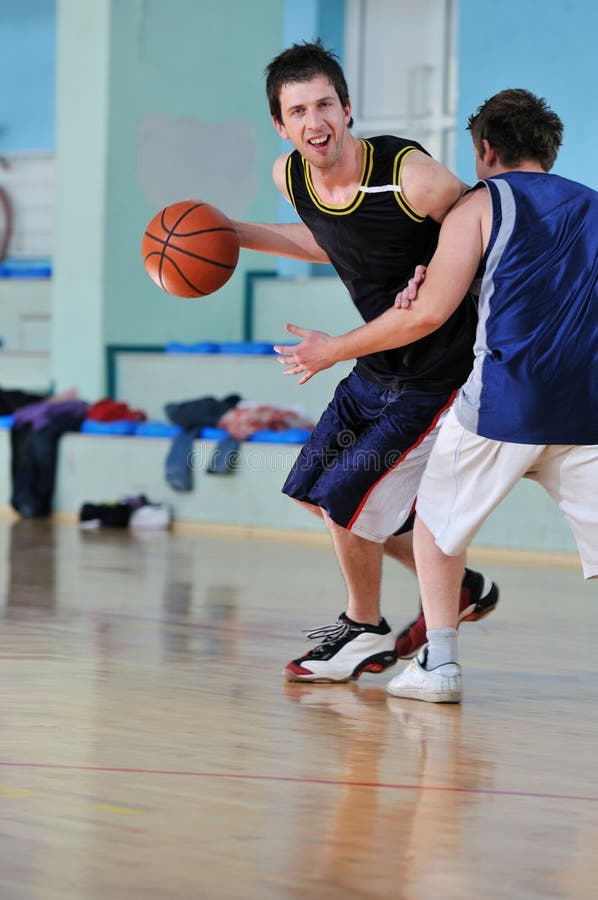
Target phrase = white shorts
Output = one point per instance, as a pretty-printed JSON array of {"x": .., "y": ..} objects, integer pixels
[{"x": 467, "y": 476}]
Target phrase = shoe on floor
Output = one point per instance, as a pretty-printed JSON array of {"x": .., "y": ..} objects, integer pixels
[
  {"x": 347, "y": 649},
  {"x": 479, "y": 597},
  {"x": 440, "y": 685},
  {"x": 151, "y": 517}
]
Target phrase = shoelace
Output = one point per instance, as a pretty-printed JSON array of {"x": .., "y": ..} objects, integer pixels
[{"x": 329, "y": 633}]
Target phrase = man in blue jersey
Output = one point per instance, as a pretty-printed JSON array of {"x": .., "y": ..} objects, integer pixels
[
  {"x": 530, "y": 405},
  {"x": 372, "y": 208}
]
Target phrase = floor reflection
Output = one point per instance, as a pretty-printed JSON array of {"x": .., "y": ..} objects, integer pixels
[
  {"x": 31, "y": 566},
  {"x": 408, "y": 784}
]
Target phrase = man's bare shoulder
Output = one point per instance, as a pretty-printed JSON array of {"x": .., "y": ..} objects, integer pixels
[
  {"x": 279, "y": 173},
  {"x": 474, "y": 202},
  {"x": 422, "y": 163},
  {"x": 428, "y": 186}
]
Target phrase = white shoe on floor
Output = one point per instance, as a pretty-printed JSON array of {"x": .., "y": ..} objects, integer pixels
[
  {"x": 440, "y": 685},
  {"x": 151, "y": 517}
]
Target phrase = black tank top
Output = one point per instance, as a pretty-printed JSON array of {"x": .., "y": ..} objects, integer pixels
[{"x": 374, "y": 243}]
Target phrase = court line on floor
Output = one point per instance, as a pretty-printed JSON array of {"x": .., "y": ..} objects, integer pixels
[{"x": 291, "y": 779}]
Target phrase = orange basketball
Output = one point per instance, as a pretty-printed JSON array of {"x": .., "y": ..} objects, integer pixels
[{"x": 190, "y": 249}]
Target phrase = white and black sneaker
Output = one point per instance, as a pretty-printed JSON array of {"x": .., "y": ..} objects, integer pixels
[{"x": 348, "y": 648}]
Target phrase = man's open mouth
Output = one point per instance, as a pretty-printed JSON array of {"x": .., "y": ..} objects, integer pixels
[{"x": 319, "y": 141}]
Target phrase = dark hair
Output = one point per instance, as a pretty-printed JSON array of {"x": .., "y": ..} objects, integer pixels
[
  {"x": 302, "y": 62},
  {"x": 519, "y": 126}
]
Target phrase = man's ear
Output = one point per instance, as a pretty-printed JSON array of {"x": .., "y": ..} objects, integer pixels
[
  {"x": 280, "y": 128},
  {"x": 489, "y": 157},
  {"x": 348, "y": 113}
]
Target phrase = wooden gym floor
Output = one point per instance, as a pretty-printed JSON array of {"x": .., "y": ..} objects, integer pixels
[{"x": 149, "y": 748}]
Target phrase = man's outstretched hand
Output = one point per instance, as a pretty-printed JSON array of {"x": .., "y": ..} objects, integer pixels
[
  {"x": 318, "y": 350},
  {"x": 312, "y": 355}
]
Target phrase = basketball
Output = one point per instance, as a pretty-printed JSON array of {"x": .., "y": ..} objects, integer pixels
[{"x": 190, "y": 249}]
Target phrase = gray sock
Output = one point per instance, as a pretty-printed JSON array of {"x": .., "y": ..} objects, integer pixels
[{"x": 442, "y": 647}]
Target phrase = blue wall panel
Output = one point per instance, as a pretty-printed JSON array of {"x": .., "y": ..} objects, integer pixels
[
  {"x": 27, "y": 62},
  {"x": 548, "y": 48}
]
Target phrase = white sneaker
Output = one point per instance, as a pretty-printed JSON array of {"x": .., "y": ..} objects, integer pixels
[
  {"x": 440, "y": 685},
  {"x": 151, "y": 516}
]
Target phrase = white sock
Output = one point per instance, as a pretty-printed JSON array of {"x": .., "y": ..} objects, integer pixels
[{"x": 442, "y": 647}]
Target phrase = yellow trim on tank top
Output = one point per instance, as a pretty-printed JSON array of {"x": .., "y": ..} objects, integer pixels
[
  {"x": 289, "y": 180},
  {"x": 366, "y": 174},
  {"x": 397, "y": 172}
]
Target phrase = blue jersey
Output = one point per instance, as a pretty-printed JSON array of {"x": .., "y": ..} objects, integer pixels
[{"x": 535, "y": 374}]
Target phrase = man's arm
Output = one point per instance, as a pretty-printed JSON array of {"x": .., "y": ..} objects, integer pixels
[
  {"x": 292, "y": 239},
  {"x": 429, "y": 187},
  {"x": 448, "y": 277}
]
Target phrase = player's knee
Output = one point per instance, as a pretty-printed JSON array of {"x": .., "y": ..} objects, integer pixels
[{"x": 310, "y": 507}]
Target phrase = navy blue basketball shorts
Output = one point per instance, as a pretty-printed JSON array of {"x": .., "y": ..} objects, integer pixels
[{"x": 365, "y": 458}]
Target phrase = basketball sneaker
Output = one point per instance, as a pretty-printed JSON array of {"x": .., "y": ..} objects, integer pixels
[
  {"x": 440, "y": 685},
  {"x": 479, "y": 597},
  {"x": 348, "y": 648}
]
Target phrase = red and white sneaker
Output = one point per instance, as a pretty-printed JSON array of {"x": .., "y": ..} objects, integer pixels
[
  {"x": 479, "y": 597},
  {"x": 348, "y": 648}
]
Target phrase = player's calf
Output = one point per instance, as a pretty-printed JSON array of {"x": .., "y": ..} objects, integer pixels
[{"x": 479, "y": 596}]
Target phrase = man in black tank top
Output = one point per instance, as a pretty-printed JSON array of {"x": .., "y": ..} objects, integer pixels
[{"x": 372, "y": 208}]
